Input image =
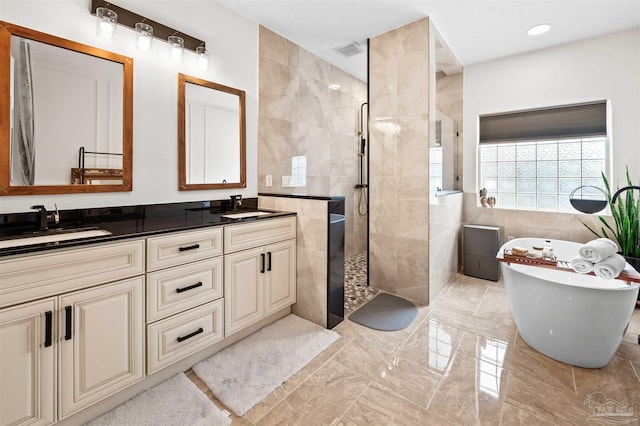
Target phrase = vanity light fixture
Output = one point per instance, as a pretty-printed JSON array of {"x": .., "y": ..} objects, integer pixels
[
  {"x": 539, "y": 29},
  {"x": 203, "y": 57},
  {"x": 106, "y": 22},
  {"x": 144, "y": 36},
  {"x": 137, "y": 22}
]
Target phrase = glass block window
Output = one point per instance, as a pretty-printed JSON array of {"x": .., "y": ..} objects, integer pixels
[
  {"x": 540, "y": 175},
  {"x": 533, "y": 159}
]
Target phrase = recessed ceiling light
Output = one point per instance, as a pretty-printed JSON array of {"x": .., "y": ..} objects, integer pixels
[{"x": 538, "y": 29}]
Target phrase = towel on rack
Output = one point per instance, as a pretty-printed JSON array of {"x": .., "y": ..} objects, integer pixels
[
  {"x": 597, "y": 250},
  {"x": 581, "y": 265},
  {"x": 610, "y": 267}
]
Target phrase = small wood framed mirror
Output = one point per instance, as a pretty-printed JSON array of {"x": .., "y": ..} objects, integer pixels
[
  {"x": 64, "y": 106},
  {"x": 211, "y": 135}
]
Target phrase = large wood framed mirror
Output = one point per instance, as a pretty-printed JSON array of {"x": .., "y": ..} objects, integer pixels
[
  {"x": 211, "y": 135},
  {"x": 66, "y": 115}
]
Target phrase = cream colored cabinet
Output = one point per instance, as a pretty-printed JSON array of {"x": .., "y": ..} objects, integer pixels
[
  {"x": 100, "y": 342},
  {"x": 259, "y": 280},
  {"x": 82, "y": 342},
  {"x": 28, "y": 364},
  {"x": 185, "y": 311}
]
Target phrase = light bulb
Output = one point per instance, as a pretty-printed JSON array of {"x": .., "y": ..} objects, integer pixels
[
  {"x": 203, "y": 57},
  {"x": 106, "y": 22},
  {"x": 144, "y": 43},
  {"x": 177, "y": 47},
  {"x": 144, "y": 36},
  {"x": 106, "y": 29}
]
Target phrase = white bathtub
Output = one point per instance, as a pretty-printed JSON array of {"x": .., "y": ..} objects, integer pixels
[{"x": 573, "y": 318}]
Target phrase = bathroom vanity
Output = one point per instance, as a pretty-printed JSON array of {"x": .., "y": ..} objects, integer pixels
[{"x": 86, "y": 324}]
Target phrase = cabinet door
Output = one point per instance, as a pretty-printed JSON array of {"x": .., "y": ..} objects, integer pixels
[
  {"x": 280, "y": 284},
  {"x": 101, "y": 342},
  {"x": 27, "y": 364},
  {"x": 243, "y": 289}
]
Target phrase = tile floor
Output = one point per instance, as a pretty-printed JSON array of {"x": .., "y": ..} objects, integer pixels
[{"x": 461, "y": 362}]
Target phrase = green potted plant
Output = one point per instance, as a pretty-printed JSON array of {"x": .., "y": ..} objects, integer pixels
[{"x": 625, "y": 209}]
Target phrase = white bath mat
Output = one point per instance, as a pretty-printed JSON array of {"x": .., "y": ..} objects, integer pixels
[
  {"x": 243, "y": 374},
  {"x": 175, "y": 402}
]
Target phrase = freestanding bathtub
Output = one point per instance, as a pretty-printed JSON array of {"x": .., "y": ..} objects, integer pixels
[{"x": 573, "y": 318}]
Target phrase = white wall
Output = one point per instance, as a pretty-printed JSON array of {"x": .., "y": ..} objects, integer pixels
[
  {"x": 605, "y": 67},
  {"x": 233, "y": 45}
]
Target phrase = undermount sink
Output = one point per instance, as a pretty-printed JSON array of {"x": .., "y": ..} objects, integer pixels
[
  {"x": 51, "y": 236},
  {"x": 244, "y": 215}
]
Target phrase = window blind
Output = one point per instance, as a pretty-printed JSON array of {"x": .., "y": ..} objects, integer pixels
[{"x": 562, "y": 122}]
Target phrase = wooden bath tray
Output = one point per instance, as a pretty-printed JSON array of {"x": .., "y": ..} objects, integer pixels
[
  {"x": 627, "y": 276},
  {"x": 525, "y": 260}
]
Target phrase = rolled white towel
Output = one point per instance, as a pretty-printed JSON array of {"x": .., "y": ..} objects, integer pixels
[
  {"x": 610, "y": 267},
  {"x": 597, "y": 250},
  {"x": 581, "y": 265}
]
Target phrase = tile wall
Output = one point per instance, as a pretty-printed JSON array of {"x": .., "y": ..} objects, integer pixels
[
  {"x": 399, "y": 161},
  {"x": 299, "y": 116},
  {"x": 445, "y": 236},
  {"x": 516, "y": 223},
  {"x": 445, "y": 212},
  {"x": 311, "y": 253}
]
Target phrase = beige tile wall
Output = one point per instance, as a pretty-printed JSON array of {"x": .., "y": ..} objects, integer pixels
[
  {"x": 445, "y": 236},
  {"x": 515, "y": 223},
  {"x": 445, "y": 213},
  {"x": 399, "y": 163},
  {"x": 312, "y": 252},
  {"x": 298, "y": 115}
]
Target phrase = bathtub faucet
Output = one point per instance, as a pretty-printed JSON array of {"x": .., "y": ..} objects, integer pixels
[{"x": 621, "y": 190}]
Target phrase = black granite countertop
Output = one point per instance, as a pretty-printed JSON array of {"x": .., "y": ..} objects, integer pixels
[{"x": 127, "y": 222}]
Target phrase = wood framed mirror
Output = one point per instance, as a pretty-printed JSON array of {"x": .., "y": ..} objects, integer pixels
[
  {"x": 211, "y": 135},
  {"x": 65, "y": 106}
]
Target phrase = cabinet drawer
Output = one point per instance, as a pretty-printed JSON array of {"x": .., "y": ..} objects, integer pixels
[
  {"x": 183, "y": 287},
  {"x": 184, "y": 247},
  {"x": 35, "y": 276},
  {"x": 177, "y": 337},
  {"x": 245, "y": 236}
]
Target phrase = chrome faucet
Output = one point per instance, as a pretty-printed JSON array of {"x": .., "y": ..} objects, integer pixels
[{"x": 44, "y": 216}]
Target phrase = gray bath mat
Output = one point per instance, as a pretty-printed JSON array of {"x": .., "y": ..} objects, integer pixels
[{"x": 385, "y": 312}]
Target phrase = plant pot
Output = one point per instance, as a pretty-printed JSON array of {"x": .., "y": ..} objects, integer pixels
[
  {"x": 635, "y": 264},
  {"x": 633, "y": 261}
]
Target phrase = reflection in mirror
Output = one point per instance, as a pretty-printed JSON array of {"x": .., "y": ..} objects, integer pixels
[
  {"x": 68, "y": 116},
  {"x": 211, "y": 135}
]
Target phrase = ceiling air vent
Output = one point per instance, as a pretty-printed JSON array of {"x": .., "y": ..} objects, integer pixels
[{"x": 350, "y": 49}]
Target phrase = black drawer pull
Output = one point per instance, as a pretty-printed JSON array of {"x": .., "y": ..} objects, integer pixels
[
  {"x": 48, "y": 328},
  {"x": 196, "y": 285},
  {"x": 262, "y": 263},
  {"x": 189, "y": 336},
  {"x": 68, "y": 310},
  {"x": 193, "y": 247},
  {"x": 268, "y": 261}
]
